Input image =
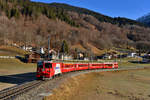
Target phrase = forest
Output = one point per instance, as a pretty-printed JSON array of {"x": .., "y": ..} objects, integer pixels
[{"x": 23, "y": 22}]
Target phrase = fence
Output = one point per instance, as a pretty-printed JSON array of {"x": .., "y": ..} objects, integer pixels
[{"x": 7, "y": 57}]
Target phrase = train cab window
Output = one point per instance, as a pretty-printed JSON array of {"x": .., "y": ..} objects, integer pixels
[
  {"x": 40, "y": 65},
  {"x": 48, "y": 65}
]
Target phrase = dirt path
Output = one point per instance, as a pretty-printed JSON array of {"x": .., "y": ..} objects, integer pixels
[{"x": 122, "y": 85}]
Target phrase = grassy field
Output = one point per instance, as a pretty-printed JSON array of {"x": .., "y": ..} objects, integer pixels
[
  {"x": 11, "y": 51},
  {"x": 130, "y": 64},
  {"x": 123, "y": 85},
  {"x": 14, "y": 66}
]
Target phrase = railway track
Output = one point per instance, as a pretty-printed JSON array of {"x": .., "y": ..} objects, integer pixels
[{"x": 12, "y": 93}]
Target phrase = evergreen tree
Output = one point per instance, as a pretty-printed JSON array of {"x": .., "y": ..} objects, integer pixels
[
  {"x": 8, "y": 13},
  {"x": 14, "y": 13},
  {"x": 64, "y": 47}
]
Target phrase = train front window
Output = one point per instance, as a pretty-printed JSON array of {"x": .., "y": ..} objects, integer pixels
[
  {"x": 40, "y": 65},
  {"x": 48, "y": 65}
]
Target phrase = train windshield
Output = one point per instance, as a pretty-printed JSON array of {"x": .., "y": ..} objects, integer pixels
[
  {"x": 48, "y": 65},
  {"x": 40, "y": 65}
]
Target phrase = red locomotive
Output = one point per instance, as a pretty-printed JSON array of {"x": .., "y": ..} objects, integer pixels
[{"x": 48, "y": 69}]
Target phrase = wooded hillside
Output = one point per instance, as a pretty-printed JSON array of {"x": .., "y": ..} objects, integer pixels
[{"x": 24, "y": 22}]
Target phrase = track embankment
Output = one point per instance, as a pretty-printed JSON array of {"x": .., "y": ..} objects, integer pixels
[
  {"x": 11, "y": 93},
  {"x": 32, "y": 90},
  {"x": 116, "y": 85}
]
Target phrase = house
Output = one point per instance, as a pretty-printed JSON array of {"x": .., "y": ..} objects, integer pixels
[
  {"x": 27, "y": 48},
  {"x": 132, "y": 54},
  {"x": 104, "y": 56},
  {"x": 33, "y": 57},
  {"x": 146, "y": 58},
  {"x": 109, "y": 55},
  {"x": 42, "y": 50},
  {"x": 80, "y": 56},
  {"x": 52, "y": 54},
  {"x": 65, "y": 57},
  {"x": 86, "y": 59}
]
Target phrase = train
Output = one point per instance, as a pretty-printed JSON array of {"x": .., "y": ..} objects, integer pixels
[{"x": 49, "y": 69}]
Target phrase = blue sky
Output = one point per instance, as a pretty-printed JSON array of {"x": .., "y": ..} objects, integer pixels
[{"x": 132, "y": 9}]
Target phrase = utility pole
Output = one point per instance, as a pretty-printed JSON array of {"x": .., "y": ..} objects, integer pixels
[{"x": 48, "y": 47}]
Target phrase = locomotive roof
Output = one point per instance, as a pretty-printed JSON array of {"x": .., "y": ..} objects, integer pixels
[{"x": 73, "y": 62}]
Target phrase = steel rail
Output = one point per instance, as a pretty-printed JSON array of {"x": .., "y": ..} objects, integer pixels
[{"x": 11, "y": 93}]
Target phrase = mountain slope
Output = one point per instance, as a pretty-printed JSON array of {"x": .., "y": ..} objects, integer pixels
[
  {"x": 100, "y": 17},
  {"x": 145, "y": 19},
  {"x": 28, "y": 23}
]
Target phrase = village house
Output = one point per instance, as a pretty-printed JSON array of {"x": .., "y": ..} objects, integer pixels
[
  {"x": 34, "y": 57},
  {"x": 27, "y": 48}
]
